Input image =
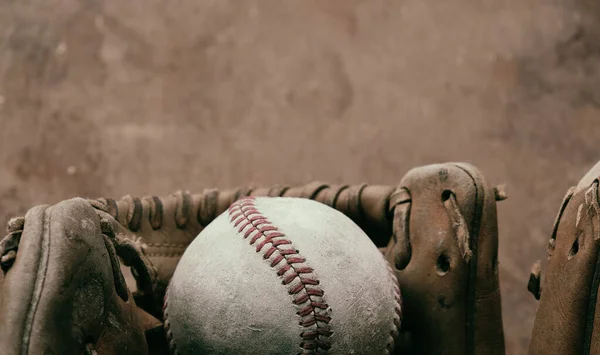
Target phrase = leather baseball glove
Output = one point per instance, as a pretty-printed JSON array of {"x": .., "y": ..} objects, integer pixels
[
  {"x": 567, "y": 318},
  {"x": 444, "y": 250}
]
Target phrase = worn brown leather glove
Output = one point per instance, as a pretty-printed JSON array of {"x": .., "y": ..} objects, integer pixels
[
  {"x": 466, "y": 320},
  {"x": 567, "y": 319}
]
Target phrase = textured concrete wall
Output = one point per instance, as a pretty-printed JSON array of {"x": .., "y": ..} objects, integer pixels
[{"x": 104, "y": 98}]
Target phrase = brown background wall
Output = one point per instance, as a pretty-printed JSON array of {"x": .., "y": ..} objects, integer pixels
[{"x": 104, "y": 98}]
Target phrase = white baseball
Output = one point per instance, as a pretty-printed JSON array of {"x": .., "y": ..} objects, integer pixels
[{"x": 282, "y": 276}]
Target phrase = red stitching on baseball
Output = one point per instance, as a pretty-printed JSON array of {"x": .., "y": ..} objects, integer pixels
[
  {"x": 313, "y": 310},
  {"x": 167, "y": 325},
  {"x": 397, "y": 309}
]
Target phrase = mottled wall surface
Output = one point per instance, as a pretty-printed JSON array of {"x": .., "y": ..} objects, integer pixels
[{"x": 105, "y": 98}]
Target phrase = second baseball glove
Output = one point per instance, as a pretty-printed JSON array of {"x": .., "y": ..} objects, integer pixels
[
  {"x": 568, "y": 318},
  {"x": 63, "y": 291}
]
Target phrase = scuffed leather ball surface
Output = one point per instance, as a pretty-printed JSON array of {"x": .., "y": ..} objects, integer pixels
[{"x": 282, "y": 276}]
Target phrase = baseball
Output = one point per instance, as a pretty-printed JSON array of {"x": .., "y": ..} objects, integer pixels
[{"x": 282, "y": 276}]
